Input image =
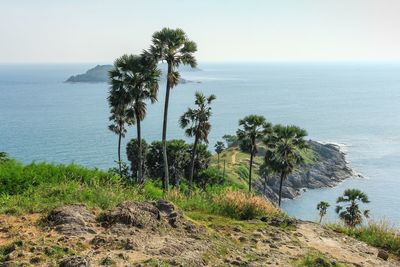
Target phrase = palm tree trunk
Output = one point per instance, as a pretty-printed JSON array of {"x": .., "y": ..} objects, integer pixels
[
  {"x": 251, "y": 162},
  {"x": 223, "y": 174},
  {"x": 250, "y": 169},
  {"x": 192, "y": 165},
  {"x": 265, "y": 185},
  {"x": 119, "y": 154},
  {"x": 218, "y": 161},
  {"x": 280, "y": 188},
  {"x": 164, "y": 132},
  {"x": 320, "y": 219},
  {"x": 139, "y": 139}
]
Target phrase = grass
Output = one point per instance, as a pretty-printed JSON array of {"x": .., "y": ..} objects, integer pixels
[
  {"x": 378, "y": 234},
  {"x": 40, "y": 187},
  {"x": 315, "y": 259}
]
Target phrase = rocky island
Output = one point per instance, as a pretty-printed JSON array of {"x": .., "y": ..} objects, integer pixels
[{"x": 99, "y": 74}]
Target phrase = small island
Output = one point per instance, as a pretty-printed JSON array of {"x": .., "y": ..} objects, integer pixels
[{"x": 99, "y": 74}]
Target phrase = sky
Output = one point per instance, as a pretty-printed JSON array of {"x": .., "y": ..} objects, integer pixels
[{"x": 77, "y": 31}]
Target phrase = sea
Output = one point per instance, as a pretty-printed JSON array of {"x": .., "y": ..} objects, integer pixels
[{"x": 355, "y": 105}]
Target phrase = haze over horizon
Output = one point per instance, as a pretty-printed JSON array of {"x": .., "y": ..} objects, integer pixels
[{"x": 226, "y": 31}]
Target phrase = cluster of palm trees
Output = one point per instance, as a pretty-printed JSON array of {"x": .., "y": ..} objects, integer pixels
[
  {"x": 283, "y": 144},
  {"x": 348, "y": 207},
  {"x": 134, "y": 82}
]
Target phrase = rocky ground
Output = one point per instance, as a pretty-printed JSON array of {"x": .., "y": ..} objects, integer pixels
[
  {"x": 328, "y": 168},
  {"x": 159, "y": 234}
]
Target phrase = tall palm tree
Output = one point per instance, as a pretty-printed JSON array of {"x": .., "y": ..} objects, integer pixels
[
  {"x": 322, "y": 207},
  {"x": 134, "y": 80},
  {"x": 284, "y": 152},
  {"x": 352, "y": 215},
  {"x": 173, "y": 47},
  {"x": 197, "y": 124},
  {"x": 219, "y": 147},
  {"x": 253, "y": 128},
  {"x": 119, "y": 118}
]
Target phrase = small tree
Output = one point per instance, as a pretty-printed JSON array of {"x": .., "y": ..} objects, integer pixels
[
  {"x": 252, "y": 129},
  {"x": 132, "y": 152},
  {"x": 4, "y": 157},
  {"x": 350, "y": 212},
  {"x": 120, "y": 117},
  {"x": 322, "y": 208},
  {"x": 196, "y": 122},
  {"x": 283, "y": 153},
  {"x": 219, "y": 148}
]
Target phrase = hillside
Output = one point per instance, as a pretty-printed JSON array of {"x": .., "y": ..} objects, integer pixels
[
  {"x": 70, "y": 216},
  {"x": 325, "y": 166},
  {"x": 158, "y": 234}
]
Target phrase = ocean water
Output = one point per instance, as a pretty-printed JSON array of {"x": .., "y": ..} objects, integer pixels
[{"x": 356, "y": 105}]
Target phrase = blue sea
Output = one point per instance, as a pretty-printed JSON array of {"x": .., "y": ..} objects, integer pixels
[{"x": 356, "y": 105}]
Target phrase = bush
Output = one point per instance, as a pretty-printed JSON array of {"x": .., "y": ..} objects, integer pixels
[
  {"x": 241, "y": 205},
  {"x": 132, "y": 151},
  {"x": 208, "y": 177}
]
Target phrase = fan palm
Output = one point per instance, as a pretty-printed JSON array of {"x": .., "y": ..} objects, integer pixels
[
  {"x": 134, "y": 80},
  {"x": 173, "y": 47},
  {"x": 253, "y": 128},
  {"x": 219, "y": 147},
  {"x": 322, "y": 208},
  {"x": 119, "y": 118},
  {"x": 196, "y": 124},
  {"x": 352, "y": 215},
  {"x": 284, "y": 147}
]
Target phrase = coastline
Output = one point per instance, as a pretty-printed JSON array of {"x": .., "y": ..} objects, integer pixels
[{"x": 329, "y": 168}]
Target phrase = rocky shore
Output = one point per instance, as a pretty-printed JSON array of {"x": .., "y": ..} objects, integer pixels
[{"x": 328, "y": 168}]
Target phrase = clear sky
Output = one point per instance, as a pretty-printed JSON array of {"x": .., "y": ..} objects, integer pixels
[{"x": 34, "y": 31}]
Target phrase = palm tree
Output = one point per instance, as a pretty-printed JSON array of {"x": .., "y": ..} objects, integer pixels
[
  {"x": 283, "y": 155},
  {"x": 254, "y": 128},
  {"x": 197, "y": 124},
  {"x": 119, "y": 118},
  {"x": 322, "y": 208},
  {"x": 134, "y": 80},
  {"x": 174, "y": 47},
  {"x": 219, "y": 147},
  {"x": 352, "y": 215}
]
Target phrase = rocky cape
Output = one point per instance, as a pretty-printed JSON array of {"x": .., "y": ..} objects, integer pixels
[
  {"x": 328, "y": 168},
  {"x": 99, "y": 74}
]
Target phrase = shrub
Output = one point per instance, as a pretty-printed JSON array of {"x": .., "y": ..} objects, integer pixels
[
  {"x": 241, "y": 205},
  {"x": 208, "y": 177}
]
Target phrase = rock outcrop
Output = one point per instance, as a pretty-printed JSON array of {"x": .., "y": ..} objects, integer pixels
[{"x": 328, "y": 168}]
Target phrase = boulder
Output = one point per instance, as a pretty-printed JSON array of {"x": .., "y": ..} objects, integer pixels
[{"x": 72, "y": 220}]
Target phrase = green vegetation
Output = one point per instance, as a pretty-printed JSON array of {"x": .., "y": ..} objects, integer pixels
[
  {"x": 350, "y": 212},
  {"x": 196, "y": 123},
  {"x": 322, "y": 208},
  {"x": 40, "y": 187},
  {"x": 316, "y": 259},
  {"x": 377, "y": 234}
]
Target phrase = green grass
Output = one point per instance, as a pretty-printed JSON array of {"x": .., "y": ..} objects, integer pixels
[
  {"x": 315, "y": 259},
  {"x": 40, "y": 187},
  {"x": 377, "y": 234}
]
